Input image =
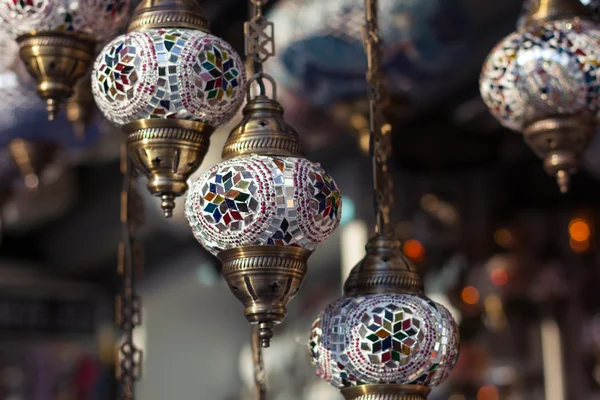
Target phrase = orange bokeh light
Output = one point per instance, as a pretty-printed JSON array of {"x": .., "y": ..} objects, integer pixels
[
  {"x": 579, "y": 230},
  {"x": 499, "y": 276},
  {"x": 470, "y": 295},
  {"x": 414, "y": 250},
  {"x": 488, "y": 392}
]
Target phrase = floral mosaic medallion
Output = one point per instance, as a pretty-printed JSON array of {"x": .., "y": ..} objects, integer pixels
[
  {"x": 259, "y": 200},
  {"x": 169, "y": 73}
]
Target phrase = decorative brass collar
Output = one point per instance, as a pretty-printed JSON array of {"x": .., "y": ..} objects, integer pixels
[
  {"x": 385, "y": 269},
  {"x": 263, "y": 130},
  {"x": 155, "y": 14},
  {"x": 386, "y": 392},
  {"x": 548, "y": 10}
]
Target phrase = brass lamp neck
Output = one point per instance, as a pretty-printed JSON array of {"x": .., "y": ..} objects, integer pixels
[
  {"x": 549, "y": 10},
  {"x": 156, "y": 14},
  {"x": 384, "y": 269}
]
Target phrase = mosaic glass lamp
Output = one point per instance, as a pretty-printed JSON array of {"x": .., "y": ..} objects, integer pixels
[
  {"x": 57, "y": 39},
  {"x": 262, "y": 211},
  {"x": 542, "y": 81},
  {"x": 168, "y": 83},
  {"x": 384, "y": 339}
]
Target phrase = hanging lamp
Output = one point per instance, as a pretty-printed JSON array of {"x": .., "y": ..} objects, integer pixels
[
  {"x": 168, "y": 83},
  {"x": 265, "y": 208},
  {"x": 542, "y": 81},
  {"x": 57, "y": 39},
  {"x": 384, "y": 340}
]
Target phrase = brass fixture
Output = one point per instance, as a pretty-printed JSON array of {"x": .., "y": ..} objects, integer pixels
[
  {"x": 32, "y": 158},
  {"x": 81, "y": 108},
  {"x": 264, "y": 279},
  {"x": 383, "y": 293},
  {"x": 263, "y": 131},
  {"x": 56, "y": 60},
  {"x": 387, "y": 392},
  {"x": 158, "y": 14},
  {"x": 560, "y": 143},
  {"x": 548, "y": 10},
  {"x": 167, "y": 151}
]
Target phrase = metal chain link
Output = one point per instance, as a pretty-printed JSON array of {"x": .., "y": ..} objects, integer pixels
[
  {"x": 259, "y": 37},
  {"x": 380, "y": 130},
  {"x": 260, "y": 374},
  {"x": 128, "y": 304}
]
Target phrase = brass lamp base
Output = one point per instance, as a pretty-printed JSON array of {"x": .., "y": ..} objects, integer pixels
[
  {"x": 167, "y": 151},
  {"x": 265, "y": 279},
  {"x": 56, "y": 60},
  {"x": 560, "y": 142},
  {"x": 386, "y": 392},
  {"x": 32, "y": 158}
]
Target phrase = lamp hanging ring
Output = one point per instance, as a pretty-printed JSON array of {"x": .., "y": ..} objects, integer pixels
[{"x": 259, "y": 80}]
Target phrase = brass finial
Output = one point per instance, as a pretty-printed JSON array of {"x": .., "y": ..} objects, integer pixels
[
  {"x": 548, "y": 10},
  {"x": 263, "y": 130},
  {"x": 186, "y": 14},
  {"x": 560, "y": 141}
]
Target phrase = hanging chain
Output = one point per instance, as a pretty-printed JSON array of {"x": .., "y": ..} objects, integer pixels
[
  {"x": 260, "y": 374},
  {"x": 259, "y": 37},
  {"x": 128, "y": 307},
  {"x": 380, "y": 130}
]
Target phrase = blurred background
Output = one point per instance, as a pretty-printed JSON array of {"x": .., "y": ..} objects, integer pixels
[{"x": 497, "y": 243}]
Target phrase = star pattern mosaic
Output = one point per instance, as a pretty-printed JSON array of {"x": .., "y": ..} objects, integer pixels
[
  {"x": 100, "y": 19},
  {"x": 543, "y": 71},
  {"x": 261, "y": 200},
  {"x": 384, "y": 338},
  {"x": 168, "y": 73}
]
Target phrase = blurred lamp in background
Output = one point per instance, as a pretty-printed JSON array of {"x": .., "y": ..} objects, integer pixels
[
  {"x": 320, "y": 54},
  {"x": 265, "y": 208},
  {"x": 542, "y": 81},
  {"x": 57, "y": 39},
  {"x": 168, "y": 83}
]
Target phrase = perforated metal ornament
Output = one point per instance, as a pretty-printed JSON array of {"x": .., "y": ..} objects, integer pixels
[
  {"x": 98, "y": 18},
  {"x": 168, "y": 73},
  {"x": 384, "y": 339},
  {"x": 263, "y": 200}
]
